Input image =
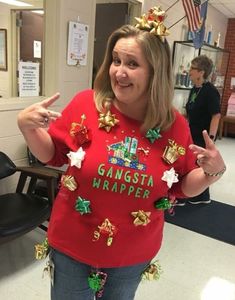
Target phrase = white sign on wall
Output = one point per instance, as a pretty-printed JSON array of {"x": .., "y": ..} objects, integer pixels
[
  {"x": 77, "y": 44},
  {"x": 28, "y": 79},
  {"x": 37, "y": 49}
]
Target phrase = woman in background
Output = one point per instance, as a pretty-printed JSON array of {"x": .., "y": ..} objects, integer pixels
[{"x": 203, "y": 110}]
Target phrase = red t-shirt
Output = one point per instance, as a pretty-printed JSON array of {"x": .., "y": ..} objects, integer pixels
[{"x": 120, "y": 179}]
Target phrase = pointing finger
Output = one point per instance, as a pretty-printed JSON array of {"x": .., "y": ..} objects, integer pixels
[
  {"x": 49, "y": 101},
  {"x": 208, "y": 141}
]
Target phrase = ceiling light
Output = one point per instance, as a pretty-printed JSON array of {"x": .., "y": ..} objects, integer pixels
[
  {"x": 38, "y": 11},
  {"x": 15, "y": 3}
]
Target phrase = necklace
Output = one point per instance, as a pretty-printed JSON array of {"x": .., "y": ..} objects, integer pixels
[{"x": 194, "y": 95}]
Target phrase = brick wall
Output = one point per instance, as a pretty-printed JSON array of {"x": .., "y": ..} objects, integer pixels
[{"x": 229, "y": 45}]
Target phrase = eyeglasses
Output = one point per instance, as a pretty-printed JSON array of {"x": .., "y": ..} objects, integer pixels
[{"x": 194, "y": 68}]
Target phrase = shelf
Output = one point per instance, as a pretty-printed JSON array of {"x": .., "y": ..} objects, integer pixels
[
  {"x": 183, "y": 54},
  {"x": 182, "y": 88}
]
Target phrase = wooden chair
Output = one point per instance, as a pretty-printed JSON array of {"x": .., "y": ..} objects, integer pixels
[
  {"x": 42, "y": 187},
  {"x": 223, "y": 126},
  {"x": 20, "y": 211}
]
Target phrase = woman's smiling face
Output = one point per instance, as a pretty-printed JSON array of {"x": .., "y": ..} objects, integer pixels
[{"x": 129, "y": 72}]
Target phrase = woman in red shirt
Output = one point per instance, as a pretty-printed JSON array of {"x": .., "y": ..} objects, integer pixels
[{"x": 129, "y": 154}]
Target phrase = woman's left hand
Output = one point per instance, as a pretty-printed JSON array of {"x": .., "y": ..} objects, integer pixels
[{"x": 209, "y": 158}]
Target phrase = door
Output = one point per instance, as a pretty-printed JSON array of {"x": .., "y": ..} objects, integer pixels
[
  {"x": 31, "y": 40},
  {"x": 109, "y": 16},
  {"x": 27, "y": 33}
]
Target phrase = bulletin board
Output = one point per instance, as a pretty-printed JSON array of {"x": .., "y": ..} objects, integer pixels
[{"x": 77, "y": 44}]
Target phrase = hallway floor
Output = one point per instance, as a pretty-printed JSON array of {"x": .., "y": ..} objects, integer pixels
[{"x": 194, "y": 267}]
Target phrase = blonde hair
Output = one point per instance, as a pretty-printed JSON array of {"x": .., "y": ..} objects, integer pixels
[{"x": 159, "y": 111}]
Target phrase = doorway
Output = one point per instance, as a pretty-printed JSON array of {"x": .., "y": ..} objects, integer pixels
[
  {"x": 28, "y": 29},
  {"x": 110, "y": 16}
]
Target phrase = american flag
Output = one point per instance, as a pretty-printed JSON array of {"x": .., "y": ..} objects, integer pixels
[{"x": 192, "y": 11}]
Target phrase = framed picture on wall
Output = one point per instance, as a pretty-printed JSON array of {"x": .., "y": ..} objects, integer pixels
[{"x": 3, "y": 49}]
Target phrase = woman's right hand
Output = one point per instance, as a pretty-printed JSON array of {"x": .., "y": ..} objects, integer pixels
[{"x": 38, "y": 115}]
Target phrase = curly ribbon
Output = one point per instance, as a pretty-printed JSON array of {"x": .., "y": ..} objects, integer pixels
[
  {"x": 96, "y": 282},
  {"x": 153, "y": 22},
  {"x": 141, "y": 217},
  {"x": 172, "y": 152},
  {"x": 153, "y": 134},
  {"x": 107, "y": 229},
  {"x": 49, "y": 270},
  {"x": 107, "y": 121},
  {"x": 42, "y": 250},
  {"x": 152, "y": 272},
  {"x": 142, "y": 151},
  {"x": 173, "y": 201},
  {"x": 82, "y": 205}
]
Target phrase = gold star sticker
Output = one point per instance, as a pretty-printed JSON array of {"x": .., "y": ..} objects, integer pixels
[
  {"x": 141, "y": 217},
  {"x": 107, "y": 121}
]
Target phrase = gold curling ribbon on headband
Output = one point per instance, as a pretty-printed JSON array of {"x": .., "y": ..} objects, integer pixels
[{"x": 153, "y": 22}]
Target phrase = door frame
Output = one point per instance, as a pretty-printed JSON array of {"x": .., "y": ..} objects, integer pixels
[{"x": 15, "y": 52}]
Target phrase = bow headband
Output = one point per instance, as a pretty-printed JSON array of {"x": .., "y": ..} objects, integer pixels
[{"x": 153, "y": 22}]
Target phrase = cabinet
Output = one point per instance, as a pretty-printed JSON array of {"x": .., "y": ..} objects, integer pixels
[{"x": 184, "y": 52}]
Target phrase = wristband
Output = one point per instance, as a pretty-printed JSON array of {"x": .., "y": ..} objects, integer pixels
[{"x": 220, "y": 173}]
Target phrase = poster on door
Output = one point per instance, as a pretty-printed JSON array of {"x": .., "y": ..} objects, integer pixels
[{"x": 28, "y": 79}]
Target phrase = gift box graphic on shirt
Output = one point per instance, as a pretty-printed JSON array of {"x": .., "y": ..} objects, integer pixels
[{"x": 125, "y": 154}]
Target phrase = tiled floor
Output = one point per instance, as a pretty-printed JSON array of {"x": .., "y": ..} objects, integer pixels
[{"x": 194, "y": 267}]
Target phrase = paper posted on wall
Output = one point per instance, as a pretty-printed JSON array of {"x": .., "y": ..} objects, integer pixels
[
  {"x": 28, "y": 79},
  {"x": 77, "y": 44}
]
